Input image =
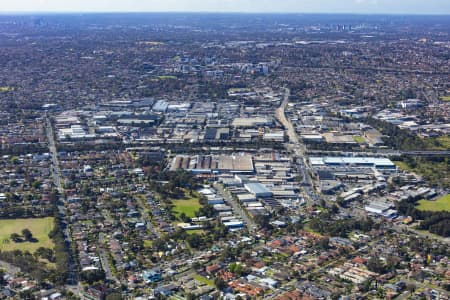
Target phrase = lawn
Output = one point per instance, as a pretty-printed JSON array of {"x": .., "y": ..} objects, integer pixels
[
  {"x": 203, "y": 280},
  {"x": 6, "y": 89},
  {"x": 359, "y": 139},
  {"x": 196, "y": 231},
  {"x": 40, "y": 228},
  {"x": 189, "y": 205},
  {"x": 442, "y": 204},
  {"x": 445, "y": 98},
  {"x": 444, "y": 141},
  {"x": 148, "y": 243},
  {"x": 166, "y": 77},
  {"x": 403, "y": 166}
]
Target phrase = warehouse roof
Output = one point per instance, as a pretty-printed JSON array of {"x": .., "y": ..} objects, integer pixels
[
  {"x": 257, "y": 188},
  {"x": 374, "y": 161}
]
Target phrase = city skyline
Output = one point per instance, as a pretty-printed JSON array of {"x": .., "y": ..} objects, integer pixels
[{"x": 227, "y": 6}]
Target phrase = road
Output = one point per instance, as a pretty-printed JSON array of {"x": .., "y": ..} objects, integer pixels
[
  {"x": 422, "y": 234},
  {"x": 143, "y": 203},
  {"x": 299, "y": 150},
  {"x": 104, "y": 259},
  {"x": 56, "y": 172},
  {"x": 57, "y": 179},
  {"x": 300, "y": 68},
  {"x": 251, "y": 225},
  {"x": 383, "y": 152},
  {"x": 281, "y": 116}
]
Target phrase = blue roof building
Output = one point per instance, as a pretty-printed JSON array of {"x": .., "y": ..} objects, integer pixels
[{"x": 152, "y": 276}]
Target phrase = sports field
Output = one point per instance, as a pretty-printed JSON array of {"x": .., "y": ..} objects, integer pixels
[{"x": 40, "y": 228}]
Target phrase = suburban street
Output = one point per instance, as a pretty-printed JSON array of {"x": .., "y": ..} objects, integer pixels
[{"x": 104, "y": 258}]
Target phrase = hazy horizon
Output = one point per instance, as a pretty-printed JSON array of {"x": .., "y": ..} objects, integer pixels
[{"x": 401, "y": 7}]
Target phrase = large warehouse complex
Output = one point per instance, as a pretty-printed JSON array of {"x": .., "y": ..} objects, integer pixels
[
  {"x": 242, "y": 163},
  {"x": 362, "y": 162}
]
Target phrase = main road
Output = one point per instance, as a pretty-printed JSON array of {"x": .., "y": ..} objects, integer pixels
[
  {"x": 298, "y": 148},
  {"x": 57, "y": 179}
]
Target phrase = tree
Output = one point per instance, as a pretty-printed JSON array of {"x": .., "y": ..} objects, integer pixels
[
  {"x": 2, "y": 280},
  {"x": 263, "y": 221},
  {"x": 184, "y": 218},
  {"x": 91, "y": 276},
  {"x": 26, "y": 294},
  {"x": 15, "y": 237},
  {"x": 446, "y": 287},
  {"x": 159, "y": 245},
  {"x": 45, "y": 253},
  {"x": 190, "y": 296},
  {"x": 237, "y": 269},
  {"x": 36, "y": 184},
  {"x": 410, "y": 287},
  {"x": 334, "y": 209},
  {"x": 194, "y": 240},
  {"x": 220, "y": 283},
  {"x": 324, "y": 243},
  {"x": 366, "y": 285},
  {"x": 26, "y": 233},
  {"x": 114, "y": 296},
  {"x": 393, "y": 262},
  {"x": 376, "y": 265},
  {"x": 226, "y": 253},
  {"x": 206, "y": 211}
]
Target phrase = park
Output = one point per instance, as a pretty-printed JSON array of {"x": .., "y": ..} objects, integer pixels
[{"x": 39, "y": 228}]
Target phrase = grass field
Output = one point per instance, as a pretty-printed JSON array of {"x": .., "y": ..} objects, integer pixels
[
  {"x": 359, "y": 139},
  {"x": 445, "y": 98},
  {"x": 188, "y": 206},
  {"x": 40, "y": 228},
  {"x": 442, "y": 204}
]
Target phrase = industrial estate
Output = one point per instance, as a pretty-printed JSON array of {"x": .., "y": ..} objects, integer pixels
[{"x": 222, "y": 156}]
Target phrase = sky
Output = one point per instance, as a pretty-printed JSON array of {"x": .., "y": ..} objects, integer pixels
[{"x": 266, "y": 6}]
